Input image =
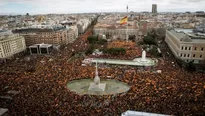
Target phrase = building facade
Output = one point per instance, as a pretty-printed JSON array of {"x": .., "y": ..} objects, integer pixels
[
  {"x": 83, "y": 24},
  {"x": 11, "y": 45},
  {"x": 72, "y": 33},
  {"x": 116, "y": 31},
  {"x": 55, "y": 36},
  {"x": 186, "y": 46}
]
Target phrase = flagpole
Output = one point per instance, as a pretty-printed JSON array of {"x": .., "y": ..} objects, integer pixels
[{"x": 127, "y": 26}]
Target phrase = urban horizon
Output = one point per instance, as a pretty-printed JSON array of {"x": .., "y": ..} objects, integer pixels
[
  {"x": 14, "y": 14},
  {"x": 66, "y": 7}
]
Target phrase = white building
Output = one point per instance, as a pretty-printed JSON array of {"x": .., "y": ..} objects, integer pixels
[
  {"x": 186, "y": 45},
  {"x": 72, "y": 33},
  {"x": 10, "y": 45},
  {"x": 83, "y": 24}
]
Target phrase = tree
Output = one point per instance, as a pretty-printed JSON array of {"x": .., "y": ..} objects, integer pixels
[
  {"x": 101, "y": 41},
  {"x": 202, "y": 65},
  {"x": 132, "y": 37},
  {"x": 90, "y": 49},
  {"x": 152, "y": 33},
  {"x": 149, "y": 40},
  {"x": 153, "y": 51},
  {"x": 180, "y": 62},
  {"x": 92, "y": 39},
  {"x": 27, "y": 14},
  {"x": 190, "y": 66},
  {"x": 140, "y": 43}
]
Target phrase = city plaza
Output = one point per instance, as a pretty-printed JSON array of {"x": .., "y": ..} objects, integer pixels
[{"x": 44, "y": 91}]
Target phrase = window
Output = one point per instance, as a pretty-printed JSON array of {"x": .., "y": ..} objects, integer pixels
[
  {"x": 195, "y": 48},
  {"x": 194, "y": 55},
  {"x": 180, "y": 55},
  {"x": 185, "y": 48},
  {"x": 200, "y": 56},
  {"x": 189, "y": 48},
  {"x": 184, "y": 55},
  {"x": 202, "y": 49},
  {"x": 188, "y": 55},
  {"x": 182, "y": 47}
]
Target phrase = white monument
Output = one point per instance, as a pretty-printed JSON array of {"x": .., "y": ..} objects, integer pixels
[
  {"x": 97, "y": 86},
  {"x": 143, "y": 59},
  {"x": 143, "y": 56}
]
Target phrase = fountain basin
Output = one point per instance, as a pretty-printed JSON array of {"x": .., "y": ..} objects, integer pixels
[
  {"x": 112, "y": 87},
  {"x": 146, "y": 61}
]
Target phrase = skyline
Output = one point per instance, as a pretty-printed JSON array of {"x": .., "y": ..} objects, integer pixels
[{"x": 87, "y": 6}]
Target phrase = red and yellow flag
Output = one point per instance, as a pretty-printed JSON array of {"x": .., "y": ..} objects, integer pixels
[{"x": 123, "y": 20}]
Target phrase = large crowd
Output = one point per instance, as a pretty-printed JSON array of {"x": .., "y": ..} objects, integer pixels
[
  {"x": 43, "y": 91},
  {"x": 131, "y": 51}
]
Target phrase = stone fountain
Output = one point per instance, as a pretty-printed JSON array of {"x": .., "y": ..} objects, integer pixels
[
  {"x": 143, "y": 59},
  {"x": 97, "y": 86}
]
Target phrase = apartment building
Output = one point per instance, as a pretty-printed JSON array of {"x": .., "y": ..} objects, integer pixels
[
  {"x": 10, "y": 45},
  {"x": 72, "y": 30},
  {"x": 83, "y": 24},
  {"x": 73, "y": 33},
  {"x": 186, "y": 45},
  {"x": 57, "y": 35}
]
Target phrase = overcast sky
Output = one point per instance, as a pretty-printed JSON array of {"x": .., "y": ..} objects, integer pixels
[{"x": 81, "y": 6}]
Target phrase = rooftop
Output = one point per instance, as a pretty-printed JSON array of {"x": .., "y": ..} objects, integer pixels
[
  {"x": 183, "y": 30},
  {"x": 187, "y": 35},
  {"x": 115, "y": 26},
  {"x": 40, "y": 28},
  {"x": 5, "y": 32},
  {"x": 8, "y": 37},
  {"x": 41, "y": 45}
]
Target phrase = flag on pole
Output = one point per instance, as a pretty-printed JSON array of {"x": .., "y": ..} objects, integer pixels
[{"x": 123, "y": 20}]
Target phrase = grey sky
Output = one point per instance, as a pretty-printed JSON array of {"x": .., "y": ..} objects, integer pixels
[{"x": 74, "y": 6}]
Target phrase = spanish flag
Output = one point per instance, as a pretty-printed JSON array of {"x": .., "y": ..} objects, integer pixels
[{"x": 123, "y": 20}]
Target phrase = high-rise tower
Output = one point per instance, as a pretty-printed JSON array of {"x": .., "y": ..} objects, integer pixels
[{"x": 154, "y": 8}]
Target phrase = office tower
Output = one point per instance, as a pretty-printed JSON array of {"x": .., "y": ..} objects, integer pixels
[{"x": 154, "y": 8}]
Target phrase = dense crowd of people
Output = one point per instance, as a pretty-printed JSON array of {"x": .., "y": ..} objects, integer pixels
[
  {"x": 131, "y": 51},
  {"x": 43, "y": 91}
]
